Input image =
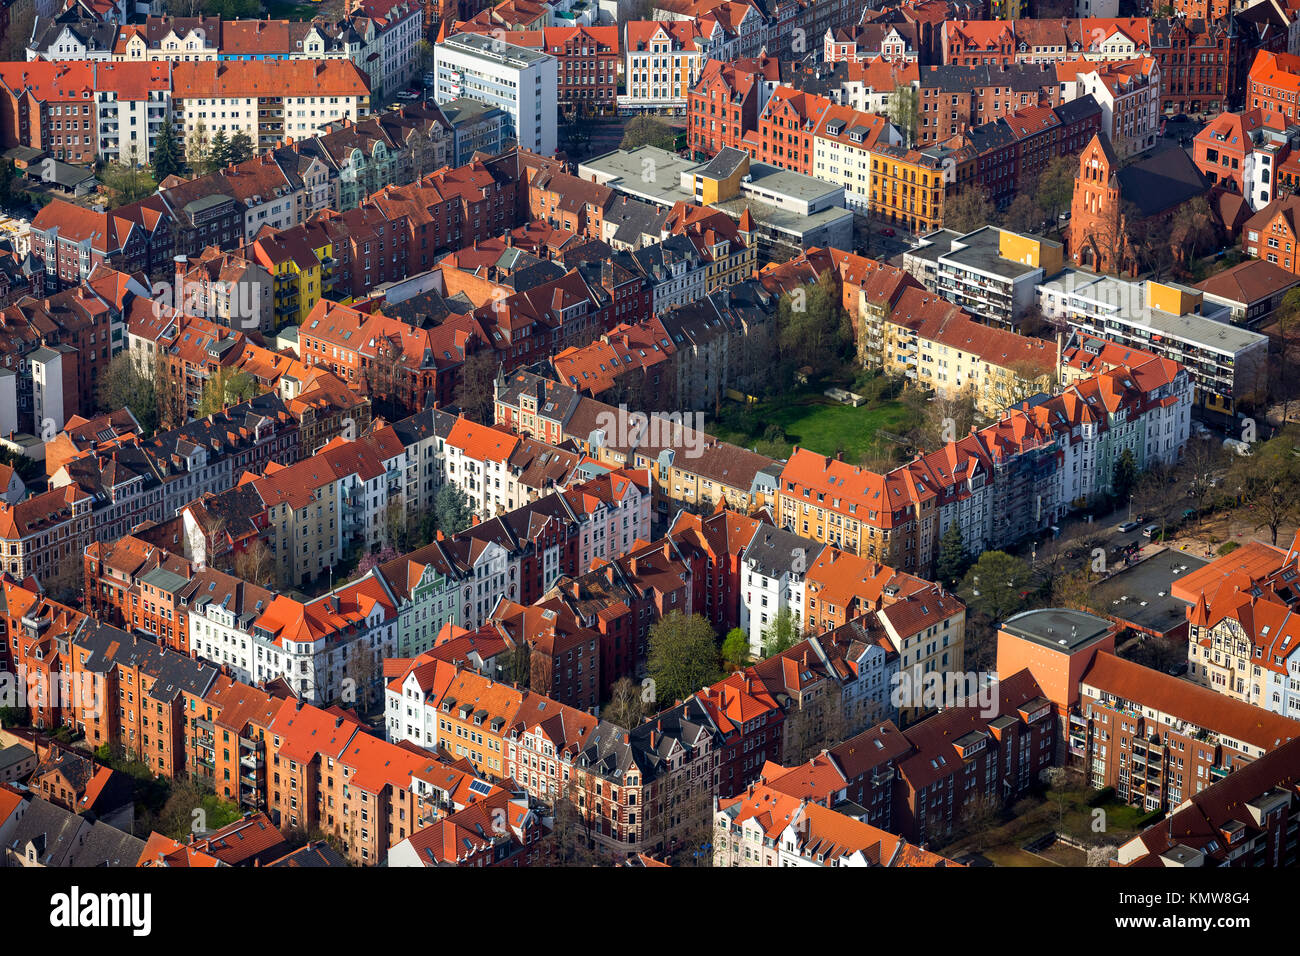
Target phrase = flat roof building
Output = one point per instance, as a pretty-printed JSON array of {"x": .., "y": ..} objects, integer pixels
[
  {"x": 1228, "y": 364},
  {"x": 522, "y": 83},
  {"x": 790, "y": 211}
]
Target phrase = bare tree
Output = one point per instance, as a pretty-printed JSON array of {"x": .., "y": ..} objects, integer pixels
[
  {"x": 256, "y": 566},
  {"x": 362, "y": 668}
]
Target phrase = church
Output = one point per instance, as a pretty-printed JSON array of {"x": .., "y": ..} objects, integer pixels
[{"x": 1108, "y": 196}]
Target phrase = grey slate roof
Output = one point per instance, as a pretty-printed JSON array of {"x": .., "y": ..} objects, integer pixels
[{"x": 107, "y": 846}]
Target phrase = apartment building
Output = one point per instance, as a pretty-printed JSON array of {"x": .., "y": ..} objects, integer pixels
[
  {"x": 1226, "y": 363},
  {"x": 963, "y": 757},
  {"x": 151, "y": 685},
  {"x": 1128, "y": 92},
  {"x": 1248, "y": 818},
  {"x": 135, "y": 584},
  {"x": 767, "y": 828},
  {"x": 521, "y": 82},
  {"x": 265, "y": 100},
  {"x": 993, "y": 273},
  {"x": 1159, "y": 740},
  {"x": 1029, "y": 468},
  {"x": 952, "y": 98},
  {"x": 44, "y": 535},
  {"x": 587, "y": 62},
  {"x": 908, "y": 186},
  {"x": 943, "y": 349},
  {"x": 842, "y": 150},
  {"x": 1247, "y": 153},
  {"x": 1008, "y": 155},
  {"x": 1242, "y": 636},
  {"x": 663, "y": 61}
]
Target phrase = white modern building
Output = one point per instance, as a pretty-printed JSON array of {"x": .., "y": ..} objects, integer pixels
[
  {"x": 522, "y": 83},
  {"x": 1226, "y": 362}
]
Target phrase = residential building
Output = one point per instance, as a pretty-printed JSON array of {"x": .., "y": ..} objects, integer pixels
[
  {"x": 1226, "y": 362},
  {"x": 992, "y": 272},
  {"x": 521, "y": 82}
]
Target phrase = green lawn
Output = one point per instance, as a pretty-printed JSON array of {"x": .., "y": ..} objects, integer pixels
[{"x": 811, "y": 421}]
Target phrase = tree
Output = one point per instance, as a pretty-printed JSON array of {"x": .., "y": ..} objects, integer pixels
[
  {"x": 424, "y": 53},
  {"x": 967, "y": 211},
  {"x": 683, "y": 656},
  {"x": 978, "y": 817},
  {"x": 735, "y": 647},
  {"x": 1032, "y": 323},
  {"x": 475, "y": 392},
  {"x": 22, "y": 18},
  {"x": 1055, "y": 189},
  {"x": 1201, "y": 457},
  {"x": 127, "y": 183},
  {"x": 27, "y": 468},
  {"x": 256, "y": 565},
  {"x": 953, "y": 559},
  {"x": 519, "y": 665},
  {"x": 9, "y": 183},
  {"x": 395, "y": 532},
  {"x": 241, "y": 148},
  {"x": 191, "y": 808},
  {"x": 1159, "y": 653},
  {"x": 123, "y": 385},
  {"x": 627, "y": 704},
  {"x": 452, "y": 509},
  {"x": 226, "y": 387},
  {"x": 691, "y": 844},
  {"x": 363, "y": 669},
  {"x": 1024, "y": 380},
  {"x": 372, "y": 559},
  {"x": 1191, "y": 231},
  {"x": 166, "y": 152},
  {"x": 1270, "y": 486},
  {"x": 902, "y": 109},
  {"x": 782, "y": 634},
  {"x": 572, "y": 838},
  {"x": 1023, "y": 214},
  {"x": 197, "y": 148},
  {"x": 1057, "y": 780},
  {"x": 218, "y": 151},
  {"x": 814, "y": 331},
  {"x": 1125, "y": 475},
  {"x": 997, "y": 585},
  {"x": 939, "y": 419},
  {"x": 648, "y": 131},
  {"x": 170, "y": 394}
]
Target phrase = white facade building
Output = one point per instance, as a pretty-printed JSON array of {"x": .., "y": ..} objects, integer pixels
[{"x": 522, "y": 83}]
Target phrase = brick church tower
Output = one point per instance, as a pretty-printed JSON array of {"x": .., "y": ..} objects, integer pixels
[{"x": 1097, "y": 226}]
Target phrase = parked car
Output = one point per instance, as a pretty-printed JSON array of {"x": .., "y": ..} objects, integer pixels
[
  {"x": 408, "y": 95},
  {"x": 887, "y": 232},
  {"x": 1128, "y": 526},
  {"x": 1150, "y": 531}
]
